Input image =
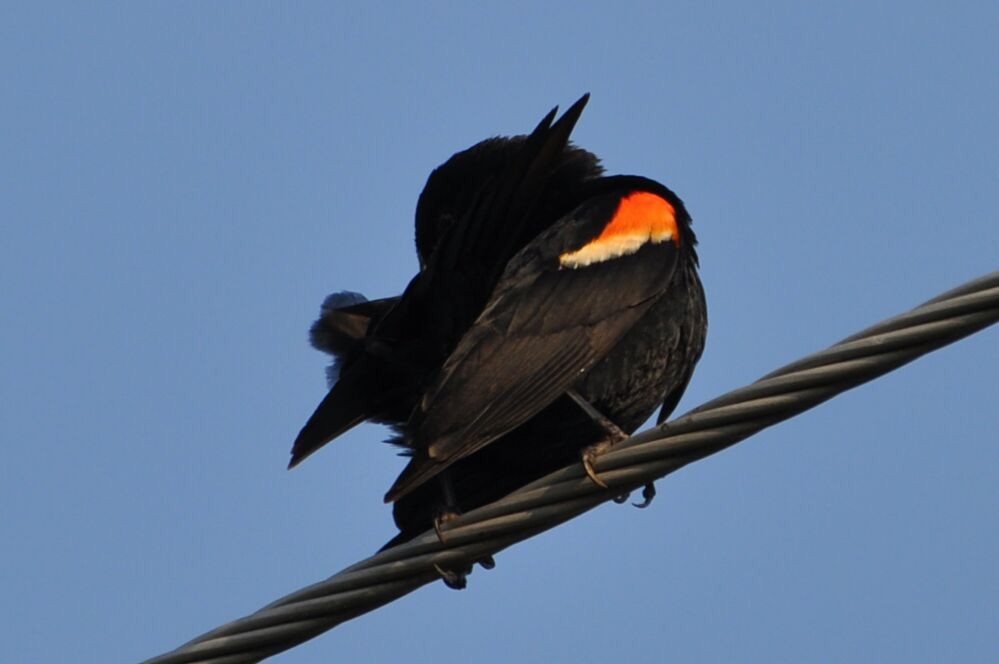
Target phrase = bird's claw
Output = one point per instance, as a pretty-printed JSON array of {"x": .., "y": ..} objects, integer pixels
[
  {"x": 590, "y": 472},
  {"x": 590, "y": 455},
  {"x": 440, "y": 520},
  {"x": 453, "y": 580},
  {"x": 648, "y": 495}
]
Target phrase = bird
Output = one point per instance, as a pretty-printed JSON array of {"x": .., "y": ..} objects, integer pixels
[{"x": 555, "y": 308}]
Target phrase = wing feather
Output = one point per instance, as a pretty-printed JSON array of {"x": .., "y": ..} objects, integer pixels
[{"x": 542, "y": 330}]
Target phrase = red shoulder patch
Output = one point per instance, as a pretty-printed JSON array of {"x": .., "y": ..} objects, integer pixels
[{"x": 640, "y": 218}]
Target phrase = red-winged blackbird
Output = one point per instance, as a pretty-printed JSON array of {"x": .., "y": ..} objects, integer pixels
[{"x": 554, "y": 310}]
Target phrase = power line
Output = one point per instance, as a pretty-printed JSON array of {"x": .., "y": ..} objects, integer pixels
[{"x": 567, "y": 493}]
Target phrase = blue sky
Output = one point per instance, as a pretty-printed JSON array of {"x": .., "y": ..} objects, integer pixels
[{"x": 181, "y": 184}]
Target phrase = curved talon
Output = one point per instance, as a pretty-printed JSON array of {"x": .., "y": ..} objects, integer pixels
[
  {"x": 588, "y": 457},
  {"x": 451, "y": 579},
  {"x": 438, "y": 528},
  {"x": 623, "y": 498},
  {"x": 442, "y": 518},
  {"x": 648, "y": 495}
]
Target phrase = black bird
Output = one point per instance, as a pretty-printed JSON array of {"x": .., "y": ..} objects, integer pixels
[{"x": 554, "y": 310}]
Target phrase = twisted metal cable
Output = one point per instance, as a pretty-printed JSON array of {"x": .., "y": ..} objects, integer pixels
[{"x": 567, "y": 493}]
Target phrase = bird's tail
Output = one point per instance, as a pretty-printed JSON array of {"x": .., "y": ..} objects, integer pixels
[
  {"x": 344, "y": 320},
  {"x": 355, "y": 397}
]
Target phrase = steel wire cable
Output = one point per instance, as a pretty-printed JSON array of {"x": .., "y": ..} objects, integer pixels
[{"x": 566, "y": 493}]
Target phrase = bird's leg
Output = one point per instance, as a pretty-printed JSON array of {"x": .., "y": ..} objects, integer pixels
[
  {"x": 614, "y": 436},
  {"x": 448, "y": 510},
  {"x": 454, "y": 579},
  {"x": 614, "y": 433}
]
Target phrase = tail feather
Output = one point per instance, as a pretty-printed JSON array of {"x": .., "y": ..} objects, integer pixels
[
  {"x": 353, "y": 399},
  {"x": 344, "y": 320}
]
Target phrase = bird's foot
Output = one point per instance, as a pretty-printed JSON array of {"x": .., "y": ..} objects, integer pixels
[
  {"x": 443, "y": 517},
  {"x": 457, "y": 579},
  {"x": 453, "y": 579},
  {"x": 590, "y": 455},
  {"x": 648, "y": 495}
]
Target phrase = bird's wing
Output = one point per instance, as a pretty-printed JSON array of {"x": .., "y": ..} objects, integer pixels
[{"x": 561, "y": 305}]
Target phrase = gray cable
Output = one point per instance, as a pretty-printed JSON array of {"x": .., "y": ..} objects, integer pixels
[{"x": 567, "y": 493}]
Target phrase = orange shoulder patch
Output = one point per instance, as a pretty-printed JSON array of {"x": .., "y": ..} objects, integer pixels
[{"x": 640, "y": 218}]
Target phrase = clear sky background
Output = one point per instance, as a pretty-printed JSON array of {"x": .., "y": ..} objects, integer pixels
[{"x": 182, "y": 183}]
